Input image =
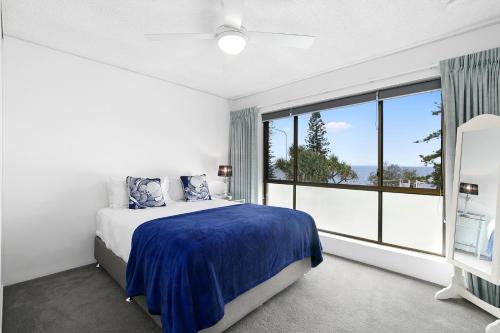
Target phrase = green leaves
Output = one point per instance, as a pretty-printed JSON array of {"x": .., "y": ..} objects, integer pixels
[
  {"x": 313, "y": 163},
  {"x": 393, "y": 174},
  {"x": 316, "y": 139},
  {"x": 270, "y": 154},
  {"x": 434, "y": 158},
  {"x": 317, "y": 168}
]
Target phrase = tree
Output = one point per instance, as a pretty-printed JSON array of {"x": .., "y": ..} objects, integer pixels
[
  {"x": 341, "y": 171},
  {"x": 315, "y": 167},
  {"x": 314, "y": 164},
  {"x": 270, "y": 155},
  {"x": 393, "y": 174},
  {"x": 316, "y": 139},
  {"x": 434, "y": 158}
]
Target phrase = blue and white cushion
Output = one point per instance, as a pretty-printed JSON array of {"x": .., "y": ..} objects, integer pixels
[
  {"x": 195, "y": 188},
  {"x": 144, "y": 193}
]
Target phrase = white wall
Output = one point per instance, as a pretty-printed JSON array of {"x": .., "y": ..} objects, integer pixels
[
  {"x": 69, "y": 124},
  {"x": 415, "y": 63},
  {"x": 1, "y": 166},
  {"x": 419, "y": 265}
]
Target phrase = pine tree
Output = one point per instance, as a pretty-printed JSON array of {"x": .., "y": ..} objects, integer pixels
[
  {"x": 316, "y": 136},
  {"x": 434, "y": 158},
  {"x": 314, "y": 161},
  {"x": 270, "y": 155}
]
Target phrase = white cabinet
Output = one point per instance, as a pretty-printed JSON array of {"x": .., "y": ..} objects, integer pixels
[{"x": 471, "y": 234}]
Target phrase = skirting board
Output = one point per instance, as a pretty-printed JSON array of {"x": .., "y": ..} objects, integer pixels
[
  {"x": 425, "y": 267},
  {"x": 1, "y": 306}
]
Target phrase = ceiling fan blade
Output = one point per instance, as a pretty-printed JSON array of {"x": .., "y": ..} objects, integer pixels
[
  {"x": 233, "y": 13},
  {"x": 179, "y": 36},
  {"x": 280, "y": 39}
]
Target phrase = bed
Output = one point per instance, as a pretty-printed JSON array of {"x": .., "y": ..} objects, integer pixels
[{"x": 118, "y": 242}]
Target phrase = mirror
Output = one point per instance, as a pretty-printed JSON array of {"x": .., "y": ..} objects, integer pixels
[{"x": 477, "y": 199}]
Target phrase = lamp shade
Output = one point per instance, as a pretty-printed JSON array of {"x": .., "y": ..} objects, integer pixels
[
  {"x": 225, "y": 171},
  {"x": 469, "y": 188}
]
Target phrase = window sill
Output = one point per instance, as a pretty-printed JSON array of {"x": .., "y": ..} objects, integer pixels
[{"x": 422, "y": 266}]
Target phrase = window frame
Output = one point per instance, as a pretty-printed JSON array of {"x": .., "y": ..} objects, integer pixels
[{"x": 378, "y": 96}]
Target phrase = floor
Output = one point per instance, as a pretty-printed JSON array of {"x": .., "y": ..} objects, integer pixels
[{"x": 338, "y": 296}]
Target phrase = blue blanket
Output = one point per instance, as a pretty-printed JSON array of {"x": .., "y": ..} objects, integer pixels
[{"x": 189, "y": 266}]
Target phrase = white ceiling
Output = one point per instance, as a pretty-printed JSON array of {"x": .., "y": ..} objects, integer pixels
[{"x": 111, "y": 31}]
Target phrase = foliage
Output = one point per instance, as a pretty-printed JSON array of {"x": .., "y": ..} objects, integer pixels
[
  {"x": 313, "y": 163},
  {"x": 393, "y": 174},
  {"x": 434, "y": 158},
  {"x": 316, "y": 139},
  {"x": 270, "y": 155},
  {"x": 315, "y": 167},
  {"x": 341, "y": 171}
]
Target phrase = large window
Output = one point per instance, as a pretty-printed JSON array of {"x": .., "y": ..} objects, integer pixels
[
  {"x": 279, "y": 148},
  {"x": 412, "y": 141},
  {"x": 326, "y": 158},
  {"x": 338, "y": 145}
]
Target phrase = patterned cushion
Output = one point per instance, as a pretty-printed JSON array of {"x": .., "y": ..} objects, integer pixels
[
  {"x": 144, "y": 193},
  {"x": 195, "y": 188}
]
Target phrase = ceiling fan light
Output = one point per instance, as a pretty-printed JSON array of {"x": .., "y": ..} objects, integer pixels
[{"x": 232, "y": 42}]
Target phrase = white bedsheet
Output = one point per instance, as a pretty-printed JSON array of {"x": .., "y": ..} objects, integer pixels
[{"x": 115, "y": 226}]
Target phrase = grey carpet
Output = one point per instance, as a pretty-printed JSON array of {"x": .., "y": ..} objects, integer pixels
[{"x": 337, "y": 296}]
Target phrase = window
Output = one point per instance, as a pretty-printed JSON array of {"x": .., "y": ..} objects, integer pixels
[
  {"x": 325, "y": 159},
  {"x": 412, "y": 141},
  {"x": 413, "y": 221},
  {"x": 338, "y": 145},
  {"x": 345, "y": 204},
  {"x": 279, "y": 148},
  {"x": 280, "y": 195}
]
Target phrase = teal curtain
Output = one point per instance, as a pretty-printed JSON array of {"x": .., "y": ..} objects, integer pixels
[
  {"x": 470, "y": 87},
  {"x": 243, "y": 154}
]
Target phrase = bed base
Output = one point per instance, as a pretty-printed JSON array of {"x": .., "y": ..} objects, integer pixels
[{"x": 234, "y": 310}]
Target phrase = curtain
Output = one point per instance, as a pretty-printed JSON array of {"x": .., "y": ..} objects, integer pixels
[
  {"x": 470, "y": 87},
  {"x": 243, "y": 154}
]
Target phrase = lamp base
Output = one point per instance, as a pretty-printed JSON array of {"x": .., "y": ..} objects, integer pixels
[
  {"x": 226, "y": 195},
  {"x": 226, "y": 187}
]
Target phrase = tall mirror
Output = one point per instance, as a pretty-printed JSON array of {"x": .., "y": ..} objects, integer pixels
[
  {"x": 477, "y": 199},
  {"x": 474, "y": 207}
]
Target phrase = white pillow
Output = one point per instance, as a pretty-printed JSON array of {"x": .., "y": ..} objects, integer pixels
[
  {"x": 176, "y": 190},
  {"x": 118, "y": 192}
]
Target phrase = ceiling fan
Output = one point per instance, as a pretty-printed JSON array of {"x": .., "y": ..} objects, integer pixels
[{"x": 232, "y": 37}]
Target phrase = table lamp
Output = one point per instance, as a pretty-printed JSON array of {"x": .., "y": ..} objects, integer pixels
[
  {"x": 225, "y": 171},
  {"x": 468, "y": 189}
]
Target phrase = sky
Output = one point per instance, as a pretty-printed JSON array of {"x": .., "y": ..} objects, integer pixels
[{"x": 352, "y": 130}]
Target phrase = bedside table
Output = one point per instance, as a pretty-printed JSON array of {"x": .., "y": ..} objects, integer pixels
[{"x": 228, "y": 198}]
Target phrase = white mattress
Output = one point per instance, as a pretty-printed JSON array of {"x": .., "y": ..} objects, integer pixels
[{"x": 115, "y": 226}]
